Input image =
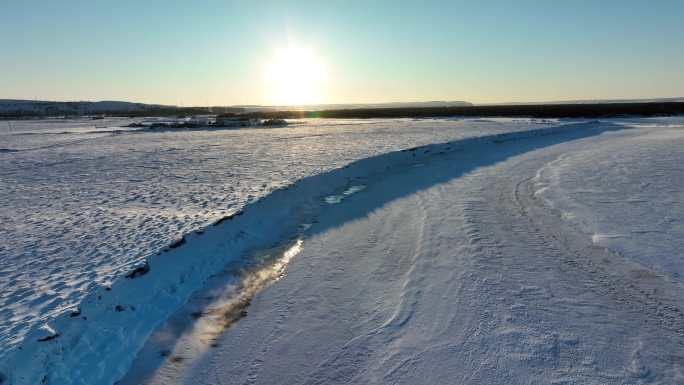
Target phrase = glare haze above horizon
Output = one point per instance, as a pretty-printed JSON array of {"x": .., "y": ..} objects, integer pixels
[{"x": 306, "y": 52}]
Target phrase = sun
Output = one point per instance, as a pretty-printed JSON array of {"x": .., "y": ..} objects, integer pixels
[{"x": 294, "y": 76}]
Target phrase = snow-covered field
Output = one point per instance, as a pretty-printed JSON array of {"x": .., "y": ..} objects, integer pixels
[
  {"x": 85, "y": 202},
  {"x": 542, "y": 252},
  {"x": 475, "y": 264}
]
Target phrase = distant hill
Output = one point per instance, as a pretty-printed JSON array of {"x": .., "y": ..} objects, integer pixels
[
  {"x": 29, "y": 108},
  {"x": 590, "y": 101},
  {"x": 34, "y": 107},
  {"x": 10, "y": 108}
]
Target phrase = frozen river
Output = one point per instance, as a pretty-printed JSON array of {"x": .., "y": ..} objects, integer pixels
[
  {"x": 84, "y": 201},
  {"x": 85, "y": 204}
]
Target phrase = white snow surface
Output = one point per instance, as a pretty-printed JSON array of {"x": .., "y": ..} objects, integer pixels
[
  {"x": 518, "y": 251},
  {"x": 85, "y": 202},
  {"x": 513, "y": 260},
  {"x": 627, "y": 194}
]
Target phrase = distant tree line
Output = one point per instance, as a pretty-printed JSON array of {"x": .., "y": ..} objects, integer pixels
[
  {"x": 578, "y": 110},
  {"x": 583, "y": 110}
]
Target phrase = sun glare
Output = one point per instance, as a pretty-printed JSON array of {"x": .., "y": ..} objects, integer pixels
[{"x": 295, "y": 76}]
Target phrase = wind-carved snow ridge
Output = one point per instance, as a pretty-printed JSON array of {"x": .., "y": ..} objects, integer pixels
[{"x": 96, "y": 342}]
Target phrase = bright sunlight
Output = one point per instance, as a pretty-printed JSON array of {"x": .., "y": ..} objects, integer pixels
[{"x": 294, "y": 76}]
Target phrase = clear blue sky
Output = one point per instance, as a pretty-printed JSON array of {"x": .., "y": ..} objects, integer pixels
[{"x": 215, "y": 52}]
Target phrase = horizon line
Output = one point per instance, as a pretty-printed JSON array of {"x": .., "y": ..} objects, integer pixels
[{"x": 299, "y": 106}]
